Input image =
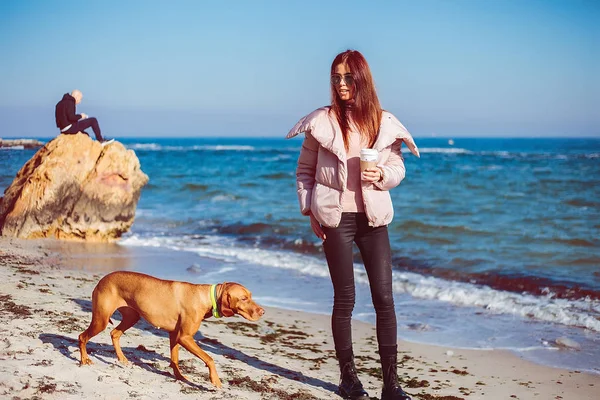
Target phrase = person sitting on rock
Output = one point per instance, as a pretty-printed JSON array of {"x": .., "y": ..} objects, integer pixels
[{"x": 70, "y": 123}]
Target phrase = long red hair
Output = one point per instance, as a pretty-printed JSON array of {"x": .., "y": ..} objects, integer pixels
[{"x": 366, "y": 111}]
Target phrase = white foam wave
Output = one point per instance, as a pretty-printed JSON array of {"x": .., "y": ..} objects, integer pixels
[
  {"x": 223, "y": 197},
  {"x": 135, "y": 240},
  {"x": 493, "y": 167},
  {"x": 280, "y": 301},
  {"x": 13, "y": 148},
  {"x": 270, "y": 159},
  {"x": 158, "y": 147},
  {"x": 444, "y": 150},
  {"x": 145, "y": 146},
  {"x": 141, "y": 212},
  {"x": 425, "y": 150},
  {"x": 507, "y": 154},
  {"x": 581, "y": 313},
  {"x": 225, "y": 148},
  {"x": 223, "y": 249}
]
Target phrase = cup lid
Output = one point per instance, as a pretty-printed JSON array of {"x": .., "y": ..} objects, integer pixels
[{"x": 369, "y": 151}]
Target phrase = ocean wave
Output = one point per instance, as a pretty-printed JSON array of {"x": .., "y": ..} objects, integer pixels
[
  {"x": 210, "y": 193},
  {"x": 145, "y": 146},
  {"x": 432, "y": 240},
  {"x": 245, "y": 229},
  {"x": 577, "y": 242},
  {"x": 149, "y": 186},
  {"x": 479, "y": 270},
  {"x": 158, "y": 147},
  {"x": 497, "y": 153},
  {"x": 279, "y": 157},
  {"x": 583, "y": 312},
  {"x": 419, "y": 226},
  {"x": 269, "y": 236},
  {"x": 194, "y": 187},
  {"x": 283, "y": 152},
  {"x": 225, "y": 148},
  {"x": 492, "y": 167},
  {"x": 220, "y": 147},
  {"x": 224, "y": 197},
  {"x": 582, "y": 203},
  {"x": 514, "y": 283},
  {"x": 591, "y": 260},
  {"x": 142, "y": 212},
  {"x": 279, "y": 175},
  {"x": 445, "y": 150},
  {"x": 507, "y": 154},
  {"x": 223, "y": 248},
  {"x": 284, "y": 303}
]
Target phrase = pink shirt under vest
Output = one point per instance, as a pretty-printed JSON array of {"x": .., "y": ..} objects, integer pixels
[{"x": 352, "y": 199}]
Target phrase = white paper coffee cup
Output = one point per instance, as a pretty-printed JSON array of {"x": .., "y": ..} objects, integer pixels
[{"x": 368, "y": 158}]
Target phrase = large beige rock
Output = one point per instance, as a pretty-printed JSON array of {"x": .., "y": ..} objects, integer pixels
[{"x": 73, "y": 188}]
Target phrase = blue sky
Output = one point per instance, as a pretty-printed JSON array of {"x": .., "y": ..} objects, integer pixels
[{"x": 253, "y": 68}]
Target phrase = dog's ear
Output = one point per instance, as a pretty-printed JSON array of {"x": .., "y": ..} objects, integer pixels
[{"x": 226, "y": 305}]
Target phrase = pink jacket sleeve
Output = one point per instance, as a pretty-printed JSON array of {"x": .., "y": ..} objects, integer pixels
[
  {"x": 305, "y": 173},
  {"x": 393, "y": 169}
]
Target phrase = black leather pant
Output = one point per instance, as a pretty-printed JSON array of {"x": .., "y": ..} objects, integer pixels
[
  {"x": 374, "y": 246},
  {"x": 83, "y": 124}
]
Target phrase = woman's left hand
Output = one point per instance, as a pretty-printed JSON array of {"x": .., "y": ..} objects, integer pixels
[{"x": 371, "y": 175}]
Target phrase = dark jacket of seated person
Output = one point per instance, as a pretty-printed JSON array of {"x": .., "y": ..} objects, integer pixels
[{"x": 65, "y": 112}]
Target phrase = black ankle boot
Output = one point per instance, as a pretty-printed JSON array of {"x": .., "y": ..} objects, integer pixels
[
  {"x": 391, "y": 390},
  {"x": 350, "y": 386},
  {"x": 394, "y": 394}
]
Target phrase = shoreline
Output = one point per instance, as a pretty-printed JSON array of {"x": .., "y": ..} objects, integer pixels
[
  {"x": 46, "y": 302},
  {"x": 430, "y": 311}
]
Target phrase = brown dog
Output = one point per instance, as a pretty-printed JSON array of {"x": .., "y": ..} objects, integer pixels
[{"x": 178, "y": 307}]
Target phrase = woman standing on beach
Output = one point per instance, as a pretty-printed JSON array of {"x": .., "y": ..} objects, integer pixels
[{"x": 348, "y": 206}]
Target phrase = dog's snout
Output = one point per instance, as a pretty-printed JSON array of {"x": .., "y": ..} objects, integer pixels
[{"x": 261, "y": 311}]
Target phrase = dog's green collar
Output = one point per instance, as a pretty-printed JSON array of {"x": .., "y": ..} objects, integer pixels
[{"x": 213, "y": 300}]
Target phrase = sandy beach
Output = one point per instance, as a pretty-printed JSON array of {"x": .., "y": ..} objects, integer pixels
[{"x": 45, "y": 293}]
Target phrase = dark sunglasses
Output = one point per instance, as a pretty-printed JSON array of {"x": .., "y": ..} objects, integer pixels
[{"x": 337, "y": 79}]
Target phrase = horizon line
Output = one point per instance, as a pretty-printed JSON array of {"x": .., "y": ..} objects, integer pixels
[{"x": 283, "y": 137}]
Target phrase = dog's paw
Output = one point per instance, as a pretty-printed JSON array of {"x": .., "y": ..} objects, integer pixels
[
  {"x": 86, "y": 361},
  {"x": 180, "y": 377},
  {"x": 216, "y": 381}
]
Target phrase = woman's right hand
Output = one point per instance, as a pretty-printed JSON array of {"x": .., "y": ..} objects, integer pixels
[{"x": 316, "y": 227}]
